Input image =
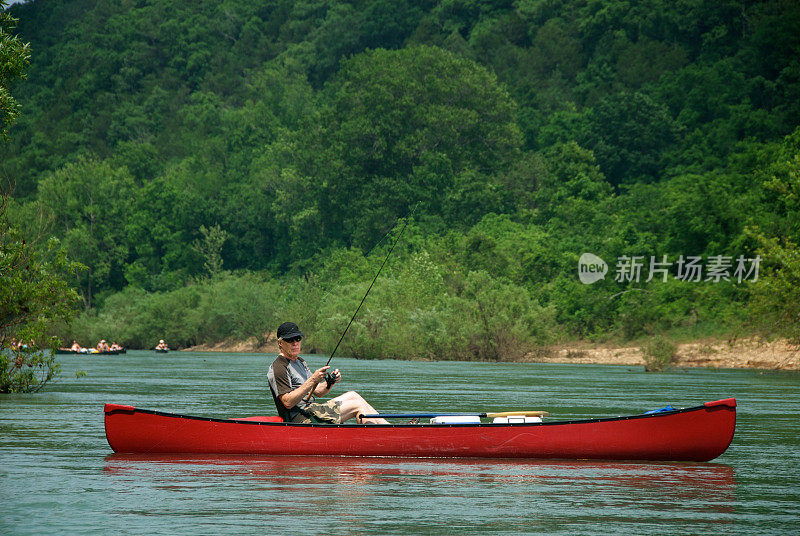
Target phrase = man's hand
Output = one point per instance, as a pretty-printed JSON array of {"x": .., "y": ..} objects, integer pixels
[
  {"x": 333, "y": 377},
  {"x": 319, "y": 374}
]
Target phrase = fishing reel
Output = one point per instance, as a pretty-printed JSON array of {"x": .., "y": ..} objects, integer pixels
[{"x": 330, "y": 379}]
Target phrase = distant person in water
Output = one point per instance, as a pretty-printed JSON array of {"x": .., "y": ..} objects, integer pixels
[
  {"x": 291, "y": 381},
  {"x": 19, "y": 345},
  {"x": 162, "y": 345}
]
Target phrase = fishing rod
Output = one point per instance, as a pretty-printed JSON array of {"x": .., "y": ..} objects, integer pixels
[{"x": 310, "y": 394}]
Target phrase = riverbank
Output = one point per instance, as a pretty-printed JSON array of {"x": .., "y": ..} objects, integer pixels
[
  {"x": 753, "y": 353},
  {"x": 738, "y": 353}
]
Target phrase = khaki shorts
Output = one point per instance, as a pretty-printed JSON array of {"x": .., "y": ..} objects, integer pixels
[{"x": 329, "y": 412}]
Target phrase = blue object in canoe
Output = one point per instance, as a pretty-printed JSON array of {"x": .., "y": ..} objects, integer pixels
[{"x": 668, "y": 407}]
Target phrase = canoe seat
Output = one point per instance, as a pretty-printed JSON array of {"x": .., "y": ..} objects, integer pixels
[{"x": 274, "y": 418}]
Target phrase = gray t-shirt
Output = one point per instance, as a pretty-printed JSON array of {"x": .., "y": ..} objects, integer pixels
[{"x": 285, "y": 376}]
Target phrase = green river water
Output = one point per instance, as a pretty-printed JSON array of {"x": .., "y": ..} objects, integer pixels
[{"x": 59, "y": 476}]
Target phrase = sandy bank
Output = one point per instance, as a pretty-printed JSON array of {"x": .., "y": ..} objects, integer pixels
[
  {"x": 740, "y": 353},
  {"x": 248, "y": 346}
]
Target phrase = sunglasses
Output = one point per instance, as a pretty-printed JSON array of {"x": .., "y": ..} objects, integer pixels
[{"x": 292, "y": 340}]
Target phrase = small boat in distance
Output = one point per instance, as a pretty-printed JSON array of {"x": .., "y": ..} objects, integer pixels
[
  {"x": 162, "y": 347},
  {"x": 90, "y": 351},
  {"x": 102, "y": 348},
  {"x": 698, "y": 433}
]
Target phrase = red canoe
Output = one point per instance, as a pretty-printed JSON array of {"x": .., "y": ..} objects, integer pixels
[{"x": 693, "y": 434}]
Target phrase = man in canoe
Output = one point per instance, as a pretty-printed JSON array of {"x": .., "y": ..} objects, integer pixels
[{"x": 291, "y": 381}]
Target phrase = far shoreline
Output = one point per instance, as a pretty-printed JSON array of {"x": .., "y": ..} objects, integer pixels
[{"x": 752, "y": 353}]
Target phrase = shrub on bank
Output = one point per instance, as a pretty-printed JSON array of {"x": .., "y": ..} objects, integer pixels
[
  {"x": 415, "y": 315},
  {"x": 659, "y": 354}
]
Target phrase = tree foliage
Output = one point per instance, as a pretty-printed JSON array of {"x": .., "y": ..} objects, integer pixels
[
  {"x": 418, "y": 125},
  {"x": 14, "y": 60},
  {"x": 33, "y": 295},
  {"x": 88, "y": 201}
]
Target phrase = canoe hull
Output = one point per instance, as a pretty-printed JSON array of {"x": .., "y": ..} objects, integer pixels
[{"x": 693, "y": 434}]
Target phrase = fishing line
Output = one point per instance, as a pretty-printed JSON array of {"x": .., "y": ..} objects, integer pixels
[
  {"x": 370, "y": 286},
  {"x": 336, "y": 285},
  {"x": 405, "y": 224}
]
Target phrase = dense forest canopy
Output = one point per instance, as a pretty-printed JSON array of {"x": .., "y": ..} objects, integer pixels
[{"x": 179, "y": 149}]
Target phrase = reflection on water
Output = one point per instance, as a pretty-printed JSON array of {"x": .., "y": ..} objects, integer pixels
[
  {"x": 646, "y": 492},
  {"x": 677, "y": 479}
]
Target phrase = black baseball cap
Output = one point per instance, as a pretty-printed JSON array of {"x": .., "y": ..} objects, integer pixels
[{"x": 288, "y": 330}]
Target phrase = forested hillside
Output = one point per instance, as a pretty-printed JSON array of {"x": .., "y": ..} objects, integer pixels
[{"x": 221, "y": 166}]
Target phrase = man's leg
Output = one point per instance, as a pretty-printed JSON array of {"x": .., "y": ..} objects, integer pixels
[{"x": 352, "y": 404}]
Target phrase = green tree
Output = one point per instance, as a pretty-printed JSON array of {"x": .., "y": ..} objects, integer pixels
[
  {"x": 781, "y": 187},
  {"x": 89, "y": 200},
  {"x": 165, "y": 217},
  {"x": 32, "y": 296},
  {"x": 336, "y": 30},
  {"x": 629, "y": 134},
  {"x": 210, "y": 248},
  {"x": 14, "y": 60},
  {"x": 397, "y": 128},
  {"x": 776, "y": 295},
  {"x": 32, "y": 291}
]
